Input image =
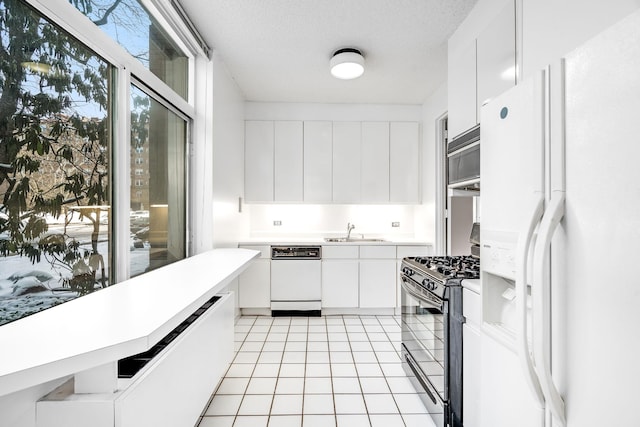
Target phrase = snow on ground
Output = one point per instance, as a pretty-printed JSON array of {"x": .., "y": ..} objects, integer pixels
[{"x": 26, "y": 288}]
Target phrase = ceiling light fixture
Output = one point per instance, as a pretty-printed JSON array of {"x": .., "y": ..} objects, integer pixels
[{"x": 347, "y": 64}]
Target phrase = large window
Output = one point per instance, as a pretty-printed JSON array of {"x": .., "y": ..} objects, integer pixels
[
  {"x": 69, "y": 224},
  {"x": 54, "y": 165},
  {"x": 134, "y": 28},
  {"x": 157, "y": 221}
]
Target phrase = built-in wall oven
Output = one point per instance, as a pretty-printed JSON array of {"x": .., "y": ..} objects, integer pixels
[
  {"x": 463, "y": 160},
  {"x": 432, "y": 320}
]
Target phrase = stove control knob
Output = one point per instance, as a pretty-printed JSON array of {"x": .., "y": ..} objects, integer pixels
[
  {"x": 434, "y": 286},
  {"x": 428, "y": 284},
  {"x": 407, "y": 271}
]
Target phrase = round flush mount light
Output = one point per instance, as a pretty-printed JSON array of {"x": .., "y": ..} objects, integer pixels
[{"x": 347, "y": 64}]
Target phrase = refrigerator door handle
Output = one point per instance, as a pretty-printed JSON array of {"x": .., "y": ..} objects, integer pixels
[
  {"x": 542, "y": 305},
  {"x": 522, "y": 256}
]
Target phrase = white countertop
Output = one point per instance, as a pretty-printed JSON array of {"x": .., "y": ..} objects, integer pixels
[
  {"x": 319, "y": 241},
  {"x": 473, "y": 285},
  {"x": 113, "y": 323}
]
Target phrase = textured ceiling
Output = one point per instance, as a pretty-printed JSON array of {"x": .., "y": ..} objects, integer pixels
[{"x": 279, "y": 50}]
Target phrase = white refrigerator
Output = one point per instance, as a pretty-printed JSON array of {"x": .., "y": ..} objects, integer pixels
[{"x": 560, "y": 170}]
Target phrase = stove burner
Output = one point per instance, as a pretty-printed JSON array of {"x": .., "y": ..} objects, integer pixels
[{"x": 441, "y": 269}]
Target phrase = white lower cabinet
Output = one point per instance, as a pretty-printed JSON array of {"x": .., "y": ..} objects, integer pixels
[
  {"x": 353, "y": 277},
  {"x": 506, "y": 400},
  {"x": 471, "y": 390},
  {"x": 378, "y": 283},
  {"x": 170, "y": 390},
  {"x": 472, "y": 358},
  {"x": 340, "y": 283},
  {"x": 377, "y": 276},
  {"x": 254, "y": 284},
  {"x": 340, "y": 276}
]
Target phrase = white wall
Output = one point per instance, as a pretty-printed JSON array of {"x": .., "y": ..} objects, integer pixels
[
  {"x": 336, "y": 112},
  {"x": 433, "y": 108},
  {"x": 313, "y": 221},
  {"x": 228, "y": 224}
]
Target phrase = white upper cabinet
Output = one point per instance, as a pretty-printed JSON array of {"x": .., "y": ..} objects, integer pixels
[
  {"x": 318, "y": 161},
  {"x": 497, "y": 56},
  {"x": 462, "y": 89},
  {"x": 346, "y": 161},
  {"x": 332, "y": 162},
  {"x": 404, "y": 161},
  {"x": 481, "y": 67},
  {"x": 258, "y": 161},
  {"x": 288, "y": 161},
  {"x": 375, "y": 162}
]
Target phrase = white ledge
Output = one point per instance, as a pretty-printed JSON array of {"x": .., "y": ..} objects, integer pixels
[{"x": 113, "y": 323}]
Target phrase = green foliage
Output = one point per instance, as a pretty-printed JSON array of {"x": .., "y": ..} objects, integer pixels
[{"x": 45, "y": 75}]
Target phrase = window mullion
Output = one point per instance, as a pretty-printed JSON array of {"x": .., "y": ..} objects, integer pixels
[{"x": 122, "y": 174}]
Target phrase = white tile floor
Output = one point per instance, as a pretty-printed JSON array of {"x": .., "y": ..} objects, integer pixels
[{"x": 332, "y": 371}]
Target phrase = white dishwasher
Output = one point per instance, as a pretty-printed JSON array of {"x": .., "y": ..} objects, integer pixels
[{"x": 296, "y": 280}]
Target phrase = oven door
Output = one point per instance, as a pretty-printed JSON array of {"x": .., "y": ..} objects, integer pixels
[{"x": 423, "y": 347}]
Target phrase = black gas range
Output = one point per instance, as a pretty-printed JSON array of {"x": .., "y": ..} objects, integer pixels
[
  {"x": 432, "y": 322},
  {"x": 435, "y": 273}
]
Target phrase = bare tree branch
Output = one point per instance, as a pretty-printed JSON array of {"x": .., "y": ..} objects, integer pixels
[{"x": 109, "y": 11}]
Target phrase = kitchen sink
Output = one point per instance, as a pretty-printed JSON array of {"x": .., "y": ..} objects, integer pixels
[{"x": 350, "y": 240}]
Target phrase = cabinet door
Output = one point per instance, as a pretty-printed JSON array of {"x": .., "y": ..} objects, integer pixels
[
  {"x": 462, "y": 89},
  {"x": 339, "y": 283},
  {"x": 377, "y": 283},
  {"x": 404, "y": 159},
  {"x": 505, "y": 398},
  {"x": 258, "y": 161},
  {"x": 288, "y": 161},
  {"x": 317, "y": 161},
  {"x": 254, "y": 285},
  {"x": 471, "y": 370},
  {"x": 497, "y": 56},
  {"x": 346, "y": 161},
  {"x": 472, "y": 357},
  {"x": 375, "y": 162}
]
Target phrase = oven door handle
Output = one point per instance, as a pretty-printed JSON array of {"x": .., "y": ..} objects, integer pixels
[
  {"x": 410, "y": 289},
  {"x": 428, "y": 388}
]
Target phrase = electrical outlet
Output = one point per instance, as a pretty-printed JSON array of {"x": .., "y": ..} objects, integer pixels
[
  {"x": 277, "y": 223},
  {"x": 395, "y": 224}
]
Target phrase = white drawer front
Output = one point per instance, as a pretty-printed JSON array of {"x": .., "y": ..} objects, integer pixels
[
  {"x": 339, "y": 252},
  {"x": 377, "y": 252}
]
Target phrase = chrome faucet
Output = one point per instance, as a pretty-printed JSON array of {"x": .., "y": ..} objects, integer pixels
[{"x": 349, "y": 228}]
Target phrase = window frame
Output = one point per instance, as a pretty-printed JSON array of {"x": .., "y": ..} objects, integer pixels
[{"x": 128, "y": 70}]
